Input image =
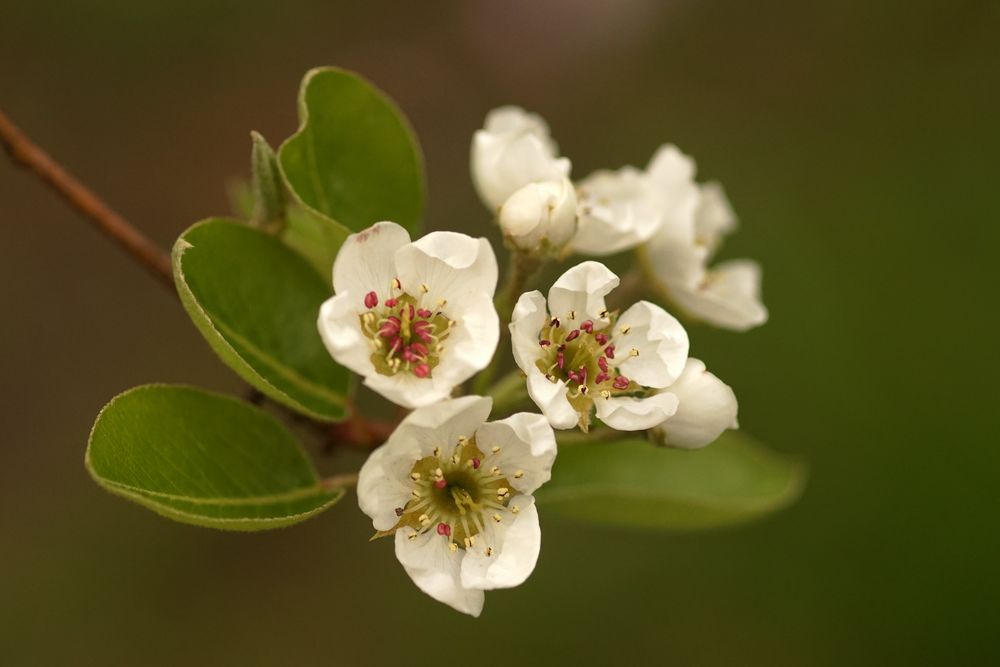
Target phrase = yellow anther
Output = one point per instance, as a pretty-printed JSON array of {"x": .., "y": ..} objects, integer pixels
[
  {"x": 412, "y": 536},
  {"x": 495, "y": 470},
  {"x": 515, "y": 509},
  {"x": 634, "y": 352},
  {"x": 442, "y": 303},
  {"x": 519, "y": 474},
  {"x": 415, "y": 493},
  {"x": 495, "y": 450},
  {"x": 424, "y": 288},
  {"x": 625, "y": 329},
  {"x": 604, "y": 314},
  {"x": 497, "y": 518},
  {"x": 455, "y": 458},
  {"x": 396, "y": 284},
  {"x": 572, "y": 314},
  {"x": 488, "y": 551},
  {"x": 414, "y": 476},
  {"x": 503, "y": 492},
  {"x": 424, "y": 519},
  {"x": 605, "y": 394},
  {"x": 452, "y": 547},
  {"x": 462, "y": 440},
  {"x": 437, "y": 451}
]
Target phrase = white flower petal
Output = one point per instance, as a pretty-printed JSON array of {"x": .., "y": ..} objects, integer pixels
[
  {"x": 550, "y": 397},
  {"x": 624, "y": 413},
  {"x": 381, "y": 485},
  {"x": 515, "y": 544},
  {"x": 340, "y": 328},
  {"x": 366, "y": 261},
  {"x": 408, "y": 390},
  {"x": 676, "y": 265},
  {"x": 527, "y": 449},
  {"x": 714, "y": 217},
  {"x": 654, "y": 349},
  {"x": 707, "y": 407},
  {"x": 581, "y": 290},
  {"x": 452, "y": 266},
  {"x": 526, "y": 323},
  {"x": 437, "y": 570},
  {"x": 616, "y": 212},
  {"x": 729, "y": 296},
  {"x": 512, "y": 150},
  {"x": 673, "y": 192}
]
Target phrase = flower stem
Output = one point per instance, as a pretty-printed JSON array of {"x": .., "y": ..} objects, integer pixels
[
  {"x": 339, "y": 481},
  {"x": 519, "y": 271},
  {"x": 25, "y": 153}
]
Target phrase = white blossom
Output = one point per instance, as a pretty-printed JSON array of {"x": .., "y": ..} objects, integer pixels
[
  {"x": 621, "y": 209},
  {"x": 415, "y": 319},
  {"x": 579, "y": 357},
  {"x": 457, "y": 494},
  {"x": 540, "y": 217},
  {"x": 512, "y": 150},
  {"x": 725, "y": 295}
]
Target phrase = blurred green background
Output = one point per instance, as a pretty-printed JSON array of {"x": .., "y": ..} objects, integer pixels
[{"x": 858, "y": 143}]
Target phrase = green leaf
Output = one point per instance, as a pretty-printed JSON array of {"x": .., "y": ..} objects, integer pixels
[
  {"x": 255, "y": 300},
  {"x": 633, "y": 483},
  {"x": 354, "y": 159},
  {"x": 204, "y": 459}
]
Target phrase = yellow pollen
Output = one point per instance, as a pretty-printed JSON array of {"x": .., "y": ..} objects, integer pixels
[
  {"x": 412, "y": 536},
  {"x": 396, "y": 284},
  {"x": 423, "y": 288},
  {"x": 437, "y": 451},
  {"x": 452, "y": 547},
  {"x": 497, "y": 518},
  {"x": 605, "y": 394},
  {"x": 495, "y": 450},
  {"x": 572, "y": 314},
  {"x": 502, "y": 492},
  {"x": 442, "y": 303},
  {"x": 424, "y": 519},
  {"x": 495, "y": 470},
  {"x": 604, "y": 314},
  {"x": 488, "y": 551},
  {"x": 515, "y": 509},
  {"x": 625, "y": 329},
  {"x": 519, "y": 474},
  {"x": 634, "y": 352},
  {"x": 414, "y": 476}
]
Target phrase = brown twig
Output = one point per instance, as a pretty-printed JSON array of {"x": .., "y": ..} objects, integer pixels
[{"x": 25, "y": 153}]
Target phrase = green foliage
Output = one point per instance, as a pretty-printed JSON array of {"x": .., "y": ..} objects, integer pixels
[
  {"x": 204, "y": 459},
  {"x": 633, "y": 483},
  {"x": 256, "y": 302},
  {"x": 354, "y": 160}
]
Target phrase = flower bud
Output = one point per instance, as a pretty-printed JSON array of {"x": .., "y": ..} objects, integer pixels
[{"x": 540, "y": 216}]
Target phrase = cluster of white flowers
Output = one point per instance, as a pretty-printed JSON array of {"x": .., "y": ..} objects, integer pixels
[{"x": 416, "y": 319}]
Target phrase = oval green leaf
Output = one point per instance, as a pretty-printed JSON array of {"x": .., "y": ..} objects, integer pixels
[
  {"x": 255, "y": 300},
  {"x": 633, "y": 483},
  {"x": 204, "y": 459},
  {"x": 354, "y": 159}
]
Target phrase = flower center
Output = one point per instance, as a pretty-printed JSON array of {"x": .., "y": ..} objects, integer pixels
[
  {"x": 406, "y": 336},
  {"x": 456, "y": 495},
  {"x": 584, "y": 357}
]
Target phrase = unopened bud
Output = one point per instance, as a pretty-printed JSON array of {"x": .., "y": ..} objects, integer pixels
[{"x": 541, "y": 216}]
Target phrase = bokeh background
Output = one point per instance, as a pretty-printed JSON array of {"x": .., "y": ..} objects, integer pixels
[{"x": 858, "y": 142}]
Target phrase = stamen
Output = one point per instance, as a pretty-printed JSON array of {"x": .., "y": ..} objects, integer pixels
[
  {"x": 545, "y": 343},
  {"x": 605, "y": 394},
  {"x": 609, "y": 352},
  {"x": 495, "y": 450},
  {"x": 488, "y": 551},
  {"x": 519, "y": 474},
  {"x": 475, "y": 463},
  {"x": 391, "y": 303},
  {"x": 572, "y": 314},
  {"x": 424, "y": 288},
  {"x": 396, "y": 284},
  {"x": 371, "y": 300},
  {"x": 634, "y": 352},
  {"x": 514, "y": 509},
  {"x": 602, "y": 339},
  {"x": 414, "y": 476},
  {"x": 399, "y": 511},
  {"x": 495, "y": 470},
  {"x": 497, "y": 518},
  {"x": 441, "y": 483},
  {"x": 588, "y": 326},
  {"x": 554, "y": 322},
  {"x": 421, "y": 370},
  {"x": 621, "y": 382},
  {"x": 625, "y": 329},
  {"x": 452, "y": 547},
  {"x": 602, "y": 363},
  {"x": 572, "y": 335},
  {"x": 444, "y": 529}
]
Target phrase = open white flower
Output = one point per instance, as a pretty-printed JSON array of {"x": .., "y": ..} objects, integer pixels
[
  {"x": 456, "y": 492},
  {"x": 414, "y": 318},
  {"x": 621, "y": 209},
  {"x": 540, "y": 217},
  {"x": 579, "y": 357},
  {"x": 726, "y": 295},
  {"x": 513, "y": 149}
]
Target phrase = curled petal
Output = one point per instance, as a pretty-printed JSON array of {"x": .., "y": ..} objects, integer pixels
[
  {"x": 653, "y": 345},
  {"x": 707, "y": 406},
  {"x": 527, "y": 449},
  {"x": 517, "y": 539},
  {"x": 581, "y": 291},
  {"x": 636, "y": 414},
  {"x": 526, "y": 322},
  {"x": 729, "y": 296},
  {"x": 551, "y": 398},
  {"x": 437, "y": 571}
]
